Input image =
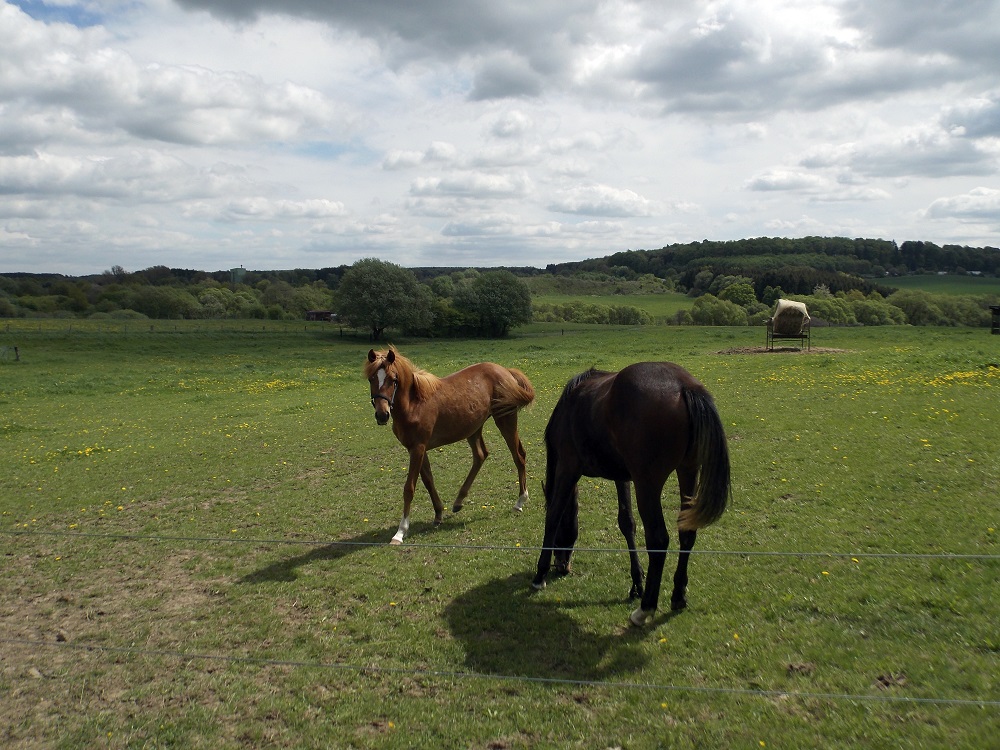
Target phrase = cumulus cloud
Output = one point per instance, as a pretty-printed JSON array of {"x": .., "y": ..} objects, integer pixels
[
  {"x": 979, "y": 205},
  {"x": 101, "y": 89},
  {"x": 603, "y": 200},
  {"x": 537, "y": 131},
  {"x": 266, "y": 209},
  {"x": 473, "y": 185},
  {"x": 923, "y": 151},
  {"x": 975, "y": 118}
]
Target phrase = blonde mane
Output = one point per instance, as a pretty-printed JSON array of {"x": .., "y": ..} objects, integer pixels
[{"x": 422, "y": 383}]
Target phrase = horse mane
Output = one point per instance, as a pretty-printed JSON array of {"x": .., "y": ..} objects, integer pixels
[
  {"x": 576, "y": 380},
  {"x": 423, "y": 383}
]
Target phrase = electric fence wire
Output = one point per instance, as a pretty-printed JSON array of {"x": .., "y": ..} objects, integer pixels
[{"x": 456, "y": 675}]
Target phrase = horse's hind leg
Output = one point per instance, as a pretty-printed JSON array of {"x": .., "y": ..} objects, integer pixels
[
  {"x": 626, "y": 523},
  {"x": 678, "y": 599},
  {"x": 428, "y": 479},
  {"x": 508, "y": 428},
  {"x": 479, "y": 455},
  {"x": 647, "y": 495}
]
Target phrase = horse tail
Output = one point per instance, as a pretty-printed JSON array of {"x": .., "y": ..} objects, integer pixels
[
  {"x": 511, "y": 394},
  {"x": 711, "y": 454}
]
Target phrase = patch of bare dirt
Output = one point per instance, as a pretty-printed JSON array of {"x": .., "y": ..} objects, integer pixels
[{"x": 781, "y": 350}]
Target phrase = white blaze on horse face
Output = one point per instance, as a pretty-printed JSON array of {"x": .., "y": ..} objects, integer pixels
[{"x": 381, "y": 377}]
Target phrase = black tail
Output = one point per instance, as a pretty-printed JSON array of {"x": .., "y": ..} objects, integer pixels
[{"x": 712, "y": 456}]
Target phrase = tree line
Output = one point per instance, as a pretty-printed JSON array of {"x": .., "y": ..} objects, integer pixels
[
  {"x": 371, "y": 294},
  {"x": 731, "y": 283},
  {"x": 796, "y": 265}
]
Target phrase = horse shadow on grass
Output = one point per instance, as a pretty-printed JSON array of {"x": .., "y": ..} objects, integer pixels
[
  {"x": 507, "y": 629},
  {"x": 286, "y": 569}
]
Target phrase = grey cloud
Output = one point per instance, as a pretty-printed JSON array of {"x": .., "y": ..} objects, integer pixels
[
  {"x": 981, "y": 204},
  {"x": 968, "y": 30},
  {"x": 926, "y": 152},
  {"x": 505, "y": 77},
  {"x": 977, "y": 118}
]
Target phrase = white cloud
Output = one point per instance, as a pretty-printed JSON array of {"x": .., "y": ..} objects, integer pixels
[
  {"x": 603, "y": 200},
  {"x": 979, "y": 205},
  {"x": 196, "y": 132}
]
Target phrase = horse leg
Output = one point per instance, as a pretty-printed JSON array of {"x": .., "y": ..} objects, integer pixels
[
  {"x": 508, "y": 428},
  {"x": 567, "y": 531},
  {"x": 678, "y": 599},
  {"x": 555, "y": 508},
  {"x": 417, "y": 456},
  {"x": 647, "y": 496},
  {"x": 479, "y": 455},
  {"x": 626, "y": 523},
  {"x": 428, "y": 479}
]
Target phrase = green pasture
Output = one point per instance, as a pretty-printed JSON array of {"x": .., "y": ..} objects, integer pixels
[
  {"x": 194, "y": 525},
  {"x": 660, "y": 306},
  {"x": 947, "y": 284}
]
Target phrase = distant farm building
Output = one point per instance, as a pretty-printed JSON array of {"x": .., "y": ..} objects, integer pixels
[{"x": 327, "y": 315}]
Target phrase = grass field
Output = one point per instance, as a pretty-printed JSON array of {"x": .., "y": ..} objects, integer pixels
[
  {"x": 974, "y": 285},
  {"x": 194, "y": 523},
  {"x": 659, "y": 306}
]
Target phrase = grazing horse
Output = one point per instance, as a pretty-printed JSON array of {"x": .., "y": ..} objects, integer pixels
[
  {"x": 636, "y": 425},
  {"x": 428, "y": 412}
]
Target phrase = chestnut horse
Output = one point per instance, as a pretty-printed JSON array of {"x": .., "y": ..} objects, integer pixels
[
  {"x": 428, "y": 412},
  {"x": 636, "y": 425}
]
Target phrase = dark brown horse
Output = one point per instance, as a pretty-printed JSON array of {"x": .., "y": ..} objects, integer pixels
[
  {"x": 636, "y": 425},
  {"x": 428, "y": 412}
]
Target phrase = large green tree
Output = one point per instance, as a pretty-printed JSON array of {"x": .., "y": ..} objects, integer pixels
[
  {"x": 376, "y": 294},
  {"x": 497, "y": 301}
]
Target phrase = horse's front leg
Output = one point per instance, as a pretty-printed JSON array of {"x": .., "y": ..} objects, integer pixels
[
  {"x": 479, "y": 455},
  {"x": 417, "y": 455},
  {"x": 428, "y": 479},
  {"x": 558, "y": 528},
  {"x": 567, "y": 531},
  {"x": 626, "y": 523}
]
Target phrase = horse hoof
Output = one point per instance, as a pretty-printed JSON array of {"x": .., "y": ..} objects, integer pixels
[
  {"x": 538, "y": 585},
  {"x": 456, "y": 507},
  {"x": 640, "y": 617},
  {"x": 396, "y": 541},
  {"x": 678, "y": 605}
]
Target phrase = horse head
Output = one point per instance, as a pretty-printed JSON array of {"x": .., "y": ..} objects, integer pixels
[{"x": 384, "y": 381}]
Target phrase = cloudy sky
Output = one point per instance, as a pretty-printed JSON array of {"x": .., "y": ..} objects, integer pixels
[{"x": 277, "y": 134}]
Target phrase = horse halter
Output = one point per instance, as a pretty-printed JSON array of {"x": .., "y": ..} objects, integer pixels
[{"x": 391, "y": 400}]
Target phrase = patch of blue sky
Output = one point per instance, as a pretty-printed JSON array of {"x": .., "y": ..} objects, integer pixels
[
  {"x": 334, "y": 150},
  {"x": 80, "y": 15}
]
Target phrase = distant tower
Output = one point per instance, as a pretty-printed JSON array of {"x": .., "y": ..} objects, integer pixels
[{"x": 236, "y": 274}]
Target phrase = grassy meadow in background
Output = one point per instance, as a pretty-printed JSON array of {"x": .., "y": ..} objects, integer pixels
[{"x": 194, "y": 523}]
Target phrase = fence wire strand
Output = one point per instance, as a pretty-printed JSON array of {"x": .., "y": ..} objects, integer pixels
[
  {"x": 263, "y": 542},
  {"x": 459, "y": 676}
]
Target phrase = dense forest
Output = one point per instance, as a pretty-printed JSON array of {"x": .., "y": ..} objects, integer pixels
[
  {"x": 846, "y": 281},
  {"x": 796, "y": 265}
]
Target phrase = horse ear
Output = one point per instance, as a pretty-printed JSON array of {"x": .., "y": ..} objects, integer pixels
[
  {"x": 371, "y": 355},
  {"x": 390, "y": 357}
]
